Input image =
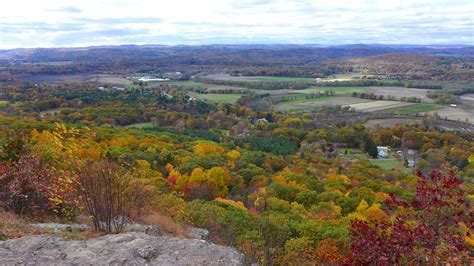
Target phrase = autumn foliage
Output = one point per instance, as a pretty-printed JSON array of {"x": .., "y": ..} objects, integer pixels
[
  {"x": 25, "y": 186},
  {"x": 431, "y": 234}
]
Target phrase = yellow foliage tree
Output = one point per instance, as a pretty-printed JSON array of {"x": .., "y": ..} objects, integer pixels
[
  {"x": 237, "y": 204},
  {"x": 334, "y": 177},
  {"x": 373, "y": 214},
  {"x": 206, "y": 147}
]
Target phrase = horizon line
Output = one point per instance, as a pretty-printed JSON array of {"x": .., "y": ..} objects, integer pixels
[{"x": 460, "y": 45}]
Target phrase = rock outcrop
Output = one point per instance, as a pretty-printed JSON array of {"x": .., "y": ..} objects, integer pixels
[
  {"x": 55, "y": 227},
  {"x": 199, "y": 233},
  {"x": 120, "y": 249}
]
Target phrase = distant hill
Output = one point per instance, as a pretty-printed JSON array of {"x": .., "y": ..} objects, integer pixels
[
  {"x": 311, "y": 60},
  {"x": 289, "y": 50}
]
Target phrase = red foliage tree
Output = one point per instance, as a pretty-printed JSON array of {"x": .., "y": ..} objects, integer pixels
[
  {"x": 25, "y": 186},
  {"x": 434, "y": 238}
]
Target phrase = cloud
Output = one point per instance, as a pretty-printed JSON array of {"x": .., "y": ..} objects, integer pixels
[
  {"x": 66, "y": 9},
  {"x": 102, "y": 22}
]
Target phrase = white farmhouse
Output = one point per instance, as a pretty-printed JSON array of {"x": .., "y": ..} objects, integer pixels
[{"x": 382, "y": 151}]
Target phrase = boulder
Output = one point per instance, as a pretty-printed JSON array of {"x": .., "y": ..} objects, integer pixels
[
  {"x": 56, "y": 227},
  {"x": 199, "y": 233},
  {"x": 153, "y": 230},
  {"x": 119, "y": 249}
]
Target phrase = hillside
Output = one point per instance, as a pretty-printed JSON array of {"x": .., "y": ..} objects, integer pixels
[
  {"x": 411, "y": 66},
  {"x": 297, "y": 60}
]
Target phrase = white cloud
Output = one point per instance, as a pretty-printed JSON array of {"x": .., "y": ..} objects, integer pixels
[{"x": 75, "y": 23}]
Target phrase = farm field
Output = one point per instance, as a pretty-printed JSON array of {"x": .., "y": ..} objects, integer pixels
[
  {"x": 455, "y": 114},
  {"x": 374, "y": 106},
  {"x": 192, "y": 85},
  {"x": 218, "y": 98},
  {"x": 337, "y": 90},
  {"x": 415, "y": 108},
  {"x": 389, "y": 164},
  {"x": 323, "y": 101},
  {"x": 274, "y": 79},
  {"x": 224, "y": 76},
  {"x": 111, "y": 79},
  {"x": 398, "y": 92},
  {"x": 76, "y": 78},
  {"x": 389, "y": 122},
  {"x": 188, "y": 84},
  {"x": 467, "y": 99},
  {"x": 51, "y": 112}
]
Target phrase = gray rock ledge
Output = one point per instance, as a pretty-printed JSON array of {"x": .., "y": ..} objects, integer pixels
[{"x": 119, "y": 249}]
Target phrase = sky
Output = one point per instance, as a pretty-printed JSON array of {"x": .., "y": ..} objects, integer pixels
[{"x": 78, "y": 23}]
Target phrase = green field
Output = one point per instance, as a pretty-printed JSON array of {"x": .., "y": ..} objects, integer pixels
[
  {"x": 217, "y": 98},
  {"x": 389, "y": 164},
  {"x": 222, "y": 98},
  {"x": 294, "y": 105},
  {"x": 337, "y": 90},
  {"x": 275, "y": 79},
  {"x": 416, "y": 108},
  {"x": 301, "y": 98},
  {"x": 189, "y": 85},
  {"x": 305, "y": 109}
]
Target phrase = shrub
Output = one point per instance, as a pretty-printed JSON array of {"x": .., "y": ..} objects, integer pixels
[
  {"x": 167, "y": 224},
  {"x": 111, "y": 196},
  {"x": 24, "y": 186}
]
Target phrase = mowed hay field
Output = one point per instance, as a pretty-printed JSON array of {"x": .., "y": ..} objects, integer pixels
[
  {"x": 190, "y": 85},
  {"x": 416, "y": 108},
  {"x": 318, "y": 102},
  {"x": 455, "y": 114},
  {"x": 337, "y": 90},
  {"x": 389, "y": 122},
  {"x": 218, "y": 98},
  {"x": 111, "y": 79},
  {"x": 467, "y": 99},
  {"x": 399, "y": 92},
  {"x": 374, "y": 106},
  {"x": 224, "y": 76}
]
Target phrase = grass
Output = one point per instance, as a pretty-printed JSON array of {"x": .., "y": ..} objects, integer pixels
[
  {"x": 51, "y": 111},
  {"x": 389, "y": 164},
  {"x": 337, "y": 90},
  {"x": 13, "y": 226},
  {"x": 54, "y": 63},
  {"x": 189, "y": 85},
  {"x": 217, "y": 98},
  {"x": 305, "y": 109},
  {"x": 167, "y": 225},
  {"x": 292, "y": 105},
  {"x": 275, "y": 79},
  {"x": 301, "y": 98},
  {"x": 414, "y": 109},
  {"x": 222, "y": 98}
]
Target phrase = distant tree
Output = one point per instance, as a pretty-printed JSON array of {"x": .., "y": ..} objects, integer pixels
[
  {"x": 370, "y": 147},
  {"x": 463, "y": 163}
]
